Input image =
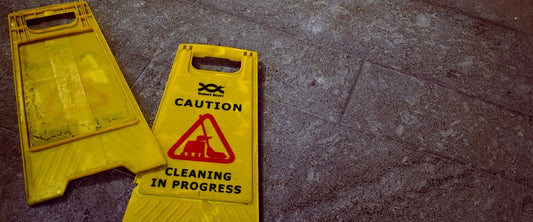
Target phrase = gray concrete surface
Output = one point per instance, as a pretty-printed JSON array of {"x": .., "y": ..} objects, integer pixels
[{"x": 389, "y": 110}]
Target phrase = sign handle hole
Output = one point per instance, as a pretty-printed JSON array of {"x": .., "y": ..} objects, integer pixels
[
  {"x": 51, "y": 21},
  {"x": 216, "y": 64}
]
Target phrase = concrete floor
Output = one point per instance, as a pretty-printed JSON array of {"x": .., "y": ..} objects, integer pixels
[{"x": 370, "y": 110}]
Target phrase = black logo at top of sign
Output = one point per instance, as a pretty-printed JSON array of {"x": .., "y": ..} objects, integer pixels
[{"x": 212, "y": 88}]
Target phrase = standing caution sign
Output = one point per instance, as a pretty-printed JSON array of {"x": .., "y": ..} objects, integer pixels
[{"x": 207, "y": 127}]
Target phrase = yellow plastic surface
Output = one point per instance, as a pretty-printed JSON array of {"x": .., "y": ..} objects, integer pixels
[
  {"x": 207, "y": 125},
  {"x": 76, "y": 113}
]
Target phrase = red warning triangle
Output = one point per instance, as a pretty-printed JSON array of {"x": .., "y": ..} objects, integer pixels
[{"x": 198, "y": 149}]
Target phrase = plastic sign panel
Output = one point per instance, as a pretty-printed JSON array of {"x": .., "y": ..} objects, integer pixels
[
  {"x": 207, "y": 127},
  {"x": 76, "y": 113}
]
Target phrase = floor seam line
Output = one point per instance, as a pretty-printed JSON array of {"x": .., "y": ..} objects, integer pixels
[
  {"x": 8, "y": 129},
  {"x": 470, "y": 15},
  {"x": 299, "y": 109},
  {"x": 500, "y": 106},
  {"x": 413, "y": 148},
  {"x": 144, "y": 69},
  {"x": 351, "y": 91}
]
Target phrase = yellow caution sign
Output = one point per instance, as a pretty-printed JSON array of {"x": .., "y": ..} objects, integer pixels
[
  {"x": 207, "y": 127},
  {"x": 76, "y": 113}
]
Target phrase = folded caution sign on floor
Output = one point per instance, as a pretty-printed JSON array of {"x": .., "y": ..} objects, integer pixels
[
  {"x": 207, "y": 127},
  {"x": 76, "y": 113}
]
